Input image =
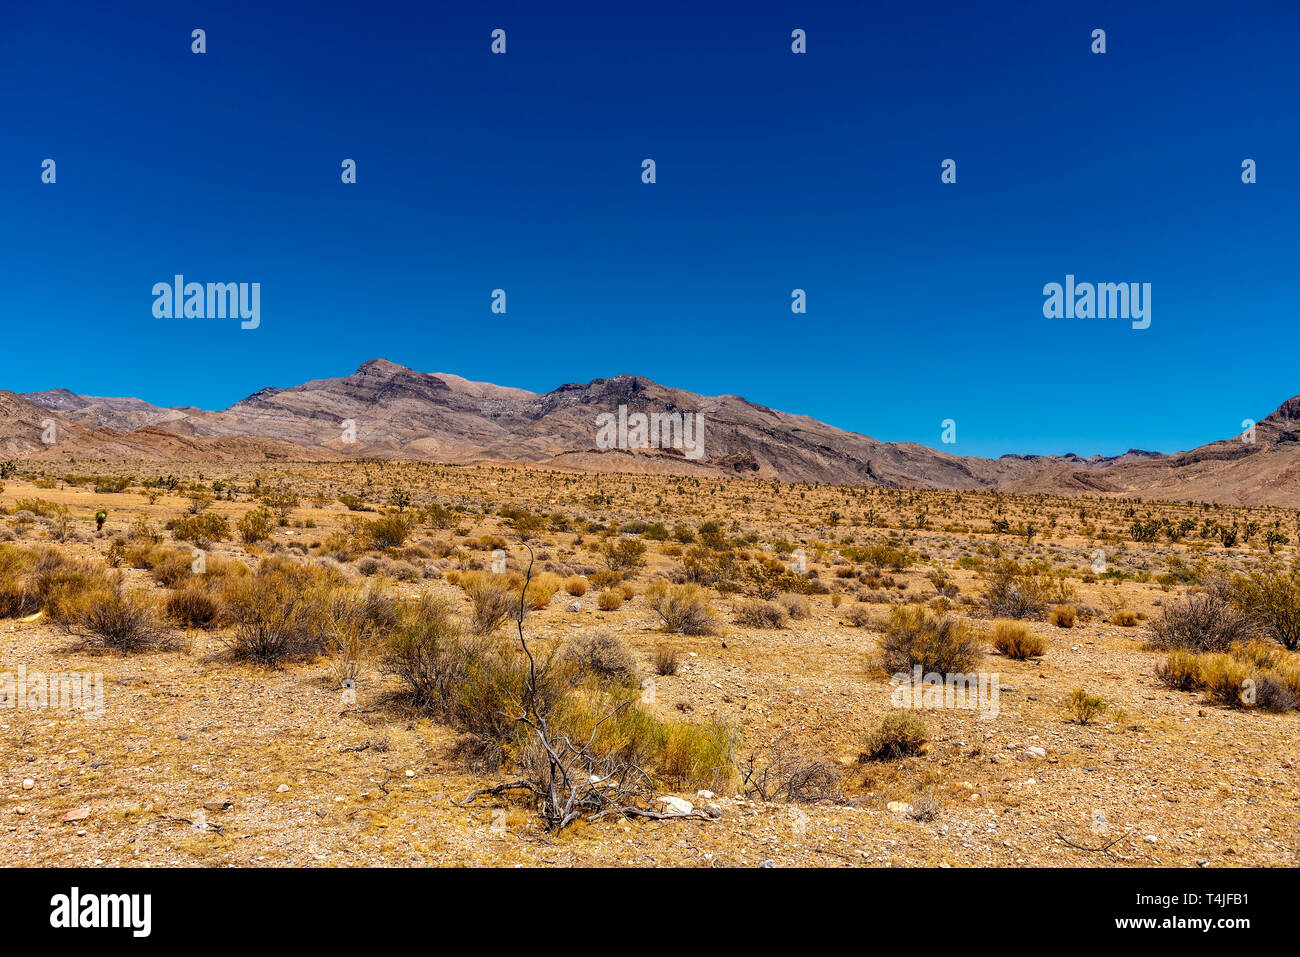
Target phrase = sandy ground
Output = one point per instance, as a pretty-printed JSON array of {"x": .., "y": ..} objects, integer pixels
[{"x": 198, "y": 760}]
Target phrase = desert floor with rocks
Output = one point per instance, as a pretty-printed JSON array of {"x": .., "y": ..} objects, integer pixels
[{"x": 200, "y": 758}]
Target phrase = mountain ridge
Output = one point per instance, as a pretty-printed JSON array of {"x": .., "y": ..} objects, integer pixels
[{"x": 387, "y": 410}]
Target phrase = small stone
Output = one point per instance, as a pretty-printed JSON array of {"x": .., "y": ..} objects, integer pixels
[
  {"x": 676, "y": 805},
  {"x": 704, "y": 794},
  {"x": 574, "y": 606},
  {"x": 768, "y": 863},
  {"x": 77, "y": 814},
  {"x": 410, "y": 773},
  {"x": 28, "y": 784},
  {"x": 1032, "y": 753},
  {"x": 282, "y": 788},
  {"x": 901, "y": 808},
  {"x": 1151, "y": 839}
]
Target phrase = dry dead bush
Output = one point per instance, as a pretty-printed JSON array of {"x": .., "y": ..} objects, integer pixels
[
  {"x": 1015, "y": 640},
  {"x": 900, "y": 735},
  {"x": 491, "y": 601},
  {"x": 756, "y": 613},
  {"x": 1200, "y": 622},
  {"x": 666, "y": 660},
  {"x": 119, "y": 620},
  {"x": 683, "y": 609},
  {"x": 279, "y": 613},
  {"x": 1063, "y": 616},
  {"x": 859, "y": 616},
  {"x": 796, "y": 606},
  {"x": 779, "y": 773},
  {"x": 913, "y": 637},
  {"x": 600, "y": 653},
  {"x": 194, "y": 605}
]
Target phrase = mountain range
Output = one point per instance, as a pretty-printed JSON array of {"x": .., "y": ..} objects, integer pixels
[{"x": 385, "y": 410}]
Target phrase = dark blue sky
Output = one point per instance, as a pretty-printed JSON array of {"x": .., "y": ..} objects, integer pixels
[{"x": 775, "y": 171}]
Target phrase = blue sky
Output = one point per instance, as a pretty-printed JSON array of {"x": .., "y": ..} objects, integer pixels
[{"x": 775, "y": 171}]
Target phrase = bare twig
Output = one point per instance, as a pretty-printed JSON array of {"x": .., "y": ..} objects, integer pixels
[{"x": 1103, "y": 849}]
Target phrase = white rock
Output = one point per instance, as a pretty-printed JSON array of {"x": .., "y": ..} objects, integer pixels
[
  {"x": 704, "y": 794},
  {"x": 575, "y": 606},
  {"x": 676, "y": 805},
  {"x": 1031, "y": 753},
  {"x": 282, "y": 788},
  {"x": 28, "y": 784},
  {"x": 901, "y": 808}
]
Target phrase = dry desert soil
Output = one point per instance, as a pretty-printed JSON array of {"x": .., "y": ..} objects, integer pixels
[{"x": 200, "y": 758}]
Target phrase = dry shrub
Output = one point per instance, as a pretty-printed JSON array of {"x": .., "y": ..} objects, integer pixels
[
  {"x": 576, "y": 585},
  {"x": 859, "y": 616},
  {"x": 17, "y": 596},
  {"x": 756, "y": 613},
  {"x": 1260, "y": 654},
  {"x": 1082, "y": 707},
  {"x": 1200, "y": 622},
  {"x": 677, "y": 754},
  {"x": 118, "y": 620},
  {"x": 899, "y": 735},
  {"x": 1063, "y": 616},
  {"x": 666, "y": 660},
  {"x": 491, "y": 601},
  {"x": 1015, "y": 640},
  {"x": 428, "y": 650},
  {"x": 682, "y": 608},
  {"x": 541, "y": 589},
  {"x": 796, "y": 606},
  {"x": 65, "y": 587},
  {"x": 599, "y": 653},
  {"x": 354, "y": 622},
  {"x": 1272, "y": 693},
  {"x": 1288, "y": 673},
  {"x": 1012, "y": 591},
  {"x": 609, "y": 601},
  {"x": 1124, "y": 618},
  {"x": 913, "y": 637},
  {"x": 780, "y": 773},
  {"x": 278, "y": 613},
  {"x": 1223, "y": 677},
  {"x": 194, "y": 605},
  {"x": 1180, "y": 671},
  {"x": 387, "y": 531},
  {"x": 477, "y": 685}
]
